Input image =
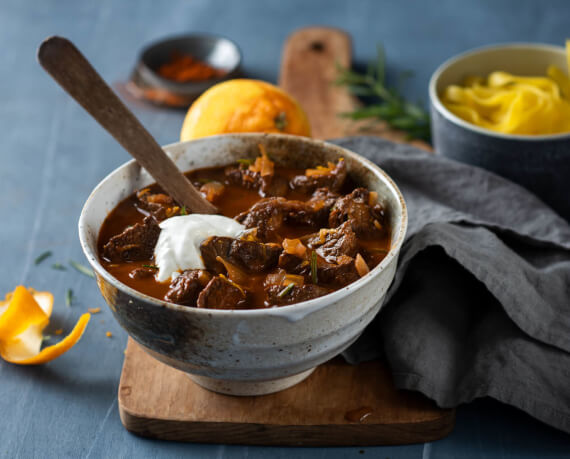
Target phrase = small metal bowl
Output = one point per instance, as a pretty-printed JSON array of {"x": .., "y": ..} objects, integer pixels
[
  {"x": 216, "y": 51},
  {"x": 540, "y": 163}
]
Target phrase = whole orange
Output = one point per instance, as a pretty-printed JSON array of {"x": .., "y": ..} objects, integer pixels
[{"x": 243, "y": 105}]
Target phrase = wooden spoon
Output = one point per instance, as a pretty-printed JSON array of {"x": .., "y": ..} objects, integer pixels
[{"x": 63, "y": 61}]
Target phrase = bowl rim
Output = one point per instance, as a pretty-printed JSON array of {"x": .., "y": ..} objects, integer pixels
[
  {"x": 294, "y": 309},
  {"x": 153, "y": 75},
  {"x": 436, "y": 102}
]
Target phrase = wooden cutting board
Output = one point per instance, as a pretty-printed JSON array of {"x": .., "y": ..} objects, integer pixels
[{"x": 339, "y": 404}]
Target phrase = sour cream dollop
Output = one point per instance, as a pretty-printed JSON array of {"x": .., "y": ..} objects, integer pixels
[{"x": 178, "y": 246}]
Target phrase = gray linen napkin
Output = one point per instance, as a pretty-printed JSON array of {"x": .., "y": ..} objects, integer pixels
[{"x": 480, "y": 305}]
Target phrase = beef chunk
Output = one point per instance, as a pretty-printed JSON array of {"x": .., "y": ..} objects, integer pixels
[
  {"x": 241, "y": 175},
  {"x": 297, "y": 294},
  {"x": 295, "y": 265},
  {"x": 255, "y": 256},
  {"x": 267, "y": 185},
  {"x": 135, "y": 243},
  {"x": 323, "y": 197},
  {"x": 142, "y": 273},
  {"x": 334, "y": 179},
  {"x": 269, "y": 215},
  {"x": 322, "y": 201},
  {"x": 299, "y": 212},
  {"x": 355, "y": 207},
  {"x": 159, "y": 205},
  {"x": 274, "y": 186},
  {"x": 341, "y": 273},
  {"x": 266, "y": 215},
  {"x": 332, "y": 243},
  {"x": 186, "y": 287},
  {"x": 250, "y": 255},
  {"x": 213, "y": 247},
  {"x": 220, "y": 293}
]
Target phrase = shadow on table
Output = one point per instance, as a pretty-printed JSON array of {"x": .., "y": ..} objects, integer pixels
[
  {"x": 69, "y": 383},
  {"x": 498, "y": 430}
]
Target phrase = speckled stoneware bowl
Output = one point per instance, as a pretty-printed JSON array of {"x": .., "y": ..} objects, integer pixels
[
  {"x": 539, "y": 163},
  {"x": 246, "y": 352}
]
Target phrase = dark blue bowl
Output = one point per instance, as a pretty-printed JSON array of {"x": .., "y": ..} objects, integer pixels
[{"x": 539, "y": 163}]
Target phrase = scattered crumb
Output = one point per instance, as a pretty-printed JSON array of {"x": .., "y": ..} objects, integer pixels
[
  {"x": 59, "y": 331},
  {"x": 94, "y": 310},
  {"x": 102, "y": 321},
  {"x": 109, "y": 334}
]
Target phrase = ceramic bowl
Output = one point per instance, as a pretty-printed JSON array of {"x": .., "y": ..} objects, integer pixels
[
  {"x": 246, "y": 352},
  {"x": 539, "y": 163}
]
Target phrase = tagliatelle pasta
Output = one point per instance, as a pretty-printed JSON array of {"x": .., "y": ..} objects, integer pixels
[{"x": 513, "y": 104}]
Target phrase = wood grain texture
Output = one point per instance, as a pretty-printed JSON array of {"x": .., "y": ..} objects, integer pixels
[
  {"x": 308, "y": 71},
  {"x": 161, "y": 402},
  {"x": 63, "y": 61}
]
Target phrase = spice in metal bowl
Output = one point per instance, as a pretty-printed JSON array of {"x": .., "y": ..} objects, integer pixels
[{"x": 184, "y": 68}]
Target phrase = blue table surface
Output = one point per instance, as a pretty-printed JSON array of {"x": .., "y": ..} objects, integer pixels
[{"x": 53, "y": 154}]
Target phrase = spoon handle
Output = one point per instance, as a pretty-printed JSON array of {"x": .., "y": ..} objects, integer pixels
[{"x": 66, "y": 65}]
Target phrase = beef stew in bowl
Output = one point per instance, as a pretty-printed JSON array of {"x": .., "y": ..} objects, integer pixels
[
  {"x": 304, "y": 233},
  {"x": 242, "y": 351}
]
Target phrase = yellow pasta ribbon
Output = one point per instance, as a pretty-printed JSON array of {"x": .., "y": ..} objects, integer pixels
[{"x": 512, "y": 104}]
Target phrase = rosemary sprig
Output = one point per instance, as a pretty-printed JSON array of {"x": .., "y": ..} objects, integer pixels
[
  {"x": 150, "y": 266},
  {"x": 68, "y": 297},
  {"x": 286, "y": 290},
  {"x": 42, "y": 257},
  {"x": 314, "y": 277},
  {"x": 59, "y": 267},
  {"x": 388, "y": 104},
  {"x": 82, "y": 269}
]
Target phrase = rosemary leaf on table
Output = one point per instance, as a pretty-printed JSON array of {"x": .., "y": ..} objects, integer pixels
[
  {"x": 68, "y": 297},
  {"x": 82, "y": 269},
  {"x": 42, "y": 257},
  {"x": 387, "y": 103}
]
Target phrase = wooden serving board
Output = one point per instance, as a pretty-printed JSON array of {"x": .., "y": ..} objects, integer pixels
[
  {"x": 308, "y": 71},
  {"x": 339, "y": 404}
]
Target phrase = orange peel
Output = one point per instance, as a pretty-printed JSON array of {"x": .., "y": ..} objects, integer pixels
[{"x": 24, "y": 314}]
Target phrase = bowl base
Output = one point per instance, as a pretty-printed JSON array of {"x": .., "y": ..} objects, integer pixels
[{"x": 244, "y": 388}]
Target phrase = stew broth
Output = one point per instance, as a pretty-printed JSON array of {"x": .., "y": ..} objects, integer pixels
[{"x": 363, "y": 246}]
